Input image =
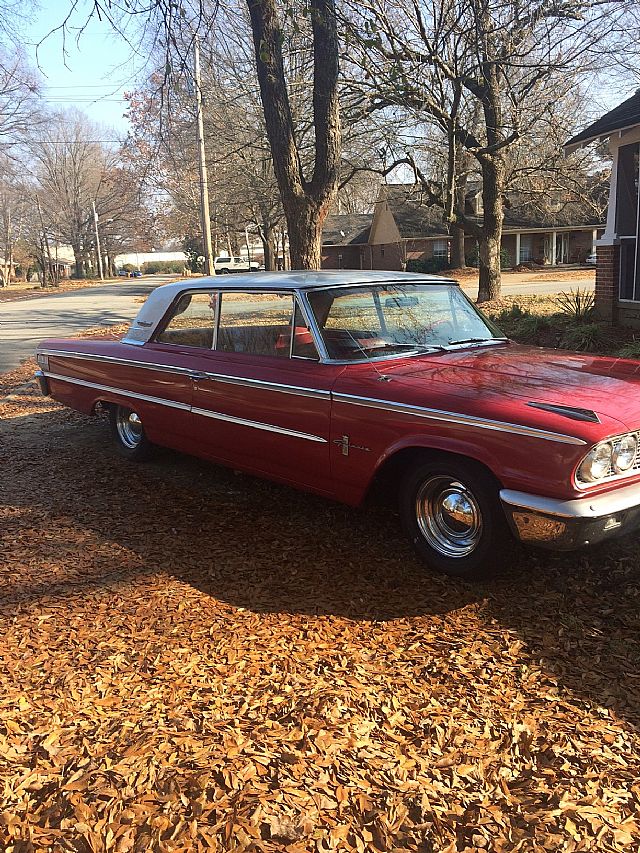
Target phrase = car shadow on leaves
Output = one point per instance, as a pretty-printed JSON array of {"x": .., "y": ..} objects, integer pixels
[{"x": 272, "y": 550}]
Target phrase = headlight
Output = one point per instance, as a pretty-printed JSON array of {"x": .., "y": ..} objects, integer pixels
[
  {"x": 596, "y": 464},
  {"x": 624, "y": 453}
]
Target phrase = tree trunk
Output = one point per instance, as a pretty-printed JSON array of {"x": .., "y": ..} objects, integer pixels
[
  {"x": 305, "y": 238},
  {"x": 77, "y": 257},
  {"x": 489, "y": 242},
  {"x": 457, "y": 247},
  {"x": 269, "y": 240},
  {"x": 305, "y": 201}
]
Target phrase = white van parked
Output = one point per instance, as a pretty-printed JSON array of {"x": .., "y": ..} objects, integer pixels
[{"x": 225, "y": 264}]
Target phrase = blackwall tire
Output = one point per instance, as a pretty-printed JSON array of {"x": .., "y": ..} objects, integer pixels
[{"x": 451, "y": 512}]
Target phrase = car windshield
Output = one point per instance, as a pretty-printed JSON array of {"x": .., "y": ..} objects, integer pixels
[{"x": 378, "y": 320}]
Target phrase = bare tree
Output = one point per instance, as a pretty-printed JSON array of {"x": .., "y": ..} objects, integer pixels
[{"x": 483, "y": 72}]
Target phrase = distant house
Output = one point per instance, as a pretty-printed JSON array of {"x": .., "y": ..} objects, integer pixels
[
  {"x": 402, "y": 227},
  {"x": 345, "y": 241},
  {"x": 136, "y": 259},
  {"x": 618, "y": 250}
]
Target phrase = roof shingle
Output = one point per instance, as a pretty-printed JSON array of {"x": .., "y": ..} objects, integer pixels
[{"x": 626, "y": 114}]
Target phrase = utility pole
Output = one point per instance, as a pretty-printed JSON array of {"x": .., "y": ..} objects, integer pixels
[
  {"x": 98, "y": 252},
  {"x": 204, "y": 183}
]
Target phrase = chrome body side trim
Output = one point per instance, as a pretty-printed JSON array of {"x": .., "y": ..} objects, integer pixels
[
  {"x": 269, "y": 386},
  {"x": 207, "y": 413},
  {"x": 220, "y": 416},
  {"x": 173, "y": 404},
  {"x": 187, "y": 371},
  {"x": 457, "y": 418},
  {"x": 110, "y": 359}
]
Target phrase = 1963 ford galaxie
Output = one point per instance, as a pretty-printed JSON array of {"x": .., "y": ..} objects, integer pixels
[{"x": 334, "y": 381}]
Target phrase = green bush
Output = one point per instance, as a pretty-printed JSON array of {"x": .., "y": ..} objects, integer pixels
[
  {"x": 153, "y": 267},
  {"x": 577, "y": 304},
  {"x": 586, "y": 337},
  {"x": 427, "y": 265},
  {"x": 129, "y": 267},
  {"x": 473, "y": 259},
  {"x": 520, "y": 324},
  {"x": 630, "y": 350}
]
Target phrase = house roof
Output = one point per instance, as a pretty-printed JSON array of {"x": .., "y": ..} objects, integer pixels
[
  {"x": 412, "y": 216},
  {"x": 414, "y": 219},
  {"x": 343, "y": 229},
  {"x": 626, "y": 114}
]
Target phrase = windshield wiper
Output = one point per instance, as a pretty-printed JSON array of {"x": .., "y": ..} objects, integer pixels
[
  {"x": 415, "y": 347},
  {"x": 476, "y": 341}
]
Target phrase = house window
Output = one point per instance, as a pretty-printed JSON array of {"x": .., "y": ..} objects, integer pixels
[
  {"x": 628, "y": 220},
  {"x": 339, "y": 262},
  {"x": 441, "y": 249},
  {"x": 382, "y": 251},
  {"x": 526, "y": 248}
]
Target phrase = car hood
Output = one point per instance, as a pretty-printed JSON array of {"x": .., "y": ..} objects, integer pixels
[{"x": 610, "y": 387}]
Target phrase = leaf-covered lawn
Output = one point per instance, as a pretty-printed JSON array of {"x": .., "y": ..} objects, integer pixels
[{"x": 195, "y": 660}]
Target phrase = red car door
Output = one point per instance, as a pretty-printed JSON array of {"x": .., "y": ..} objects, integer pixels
[{"x": 261, "y": 403}]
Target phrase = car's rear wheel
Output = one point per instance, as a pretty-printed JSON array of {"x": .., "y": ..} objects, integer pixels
[
  {"x": 129, "y": 434},
  {"x": 451, "y": 511}
]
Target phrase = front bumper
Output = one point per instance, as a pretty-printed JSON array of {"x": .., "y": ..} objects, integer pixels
[{"x": 565, "y": 525}]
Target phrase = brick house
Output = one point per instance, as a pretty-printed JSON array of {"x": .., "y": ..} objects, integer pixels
[
  {"x": 345, "y": 241},
  {"x": 402, "y": 228},
  {"x": 618, "y": 250}
]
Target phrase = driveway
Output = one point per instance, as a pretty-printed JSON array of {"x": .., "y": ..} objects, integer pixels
[{"x": 26, "y": 322}]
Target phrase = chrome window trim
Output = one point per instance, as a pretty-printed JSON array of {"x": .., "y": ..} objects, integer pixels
[
  {"x": 173, "y": 404},
  {"x": 456, "y": 417},
  {"x": 217, "y": 377},
  {"x": 419, "y": 279}
]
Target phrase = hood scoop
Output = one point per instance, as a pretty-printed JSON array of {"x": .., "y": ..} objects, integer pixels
[{"x": 572, "y": 412}]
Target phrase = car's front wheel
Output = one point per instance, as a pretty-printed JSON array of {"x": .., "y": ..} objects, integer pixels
[
  {"x": 129, "y": 434},
  {"x": 451, "y": 511}
]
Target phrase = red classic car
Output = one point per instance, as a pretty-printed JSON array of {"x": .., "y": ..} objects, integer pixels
[{"x": 334, "y": 381}]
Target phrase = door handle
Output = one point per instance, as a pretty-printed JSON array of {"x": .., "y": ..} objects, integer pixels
[{"x": 197, "y": 376}]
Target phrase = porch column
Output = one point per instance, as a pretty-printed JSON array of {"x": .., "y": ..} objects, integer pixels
[
  {"x": 553, "y": 248},
  {"x": 517, "y": 248},
  {"x": 594, "y": 240}
]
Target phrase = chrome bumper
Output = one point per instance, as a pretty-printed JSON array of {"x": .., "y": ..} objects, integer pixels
[
  {"x": 43, "y": 382},
  {"x": 565, "y": 525}
]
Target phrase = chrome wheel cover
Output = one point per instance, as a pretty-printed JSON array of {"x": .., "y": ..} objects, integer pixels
[
  {"x": 448, "y": 516},
  {"x": 129, "y": 427}
]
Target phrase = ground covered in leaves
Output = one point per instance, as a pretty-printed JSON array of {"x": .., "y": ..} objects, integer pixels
[{"x": 194, "y": 660}]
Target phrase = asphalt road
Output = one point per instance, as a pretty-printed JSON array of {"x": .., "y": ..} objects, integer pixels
[
  {"x": 533, "y": 288},
  {"x": 24, "y": 323}
]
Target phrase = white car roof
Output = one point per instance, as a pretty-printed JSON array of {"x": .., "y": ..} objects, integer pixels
[{"x": 162, "y": 297}]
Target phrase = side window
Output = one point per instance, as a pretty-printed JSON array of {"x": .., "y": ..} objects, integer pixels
[
  {"x": 303, "y": 344},
  {"x": 256, "y": 323},
  {"x": 191, "y": 322}
]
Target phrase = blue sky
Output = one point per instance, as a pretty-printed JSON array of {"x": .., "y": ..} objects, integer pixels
[{"x": 99, "y": 67}]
